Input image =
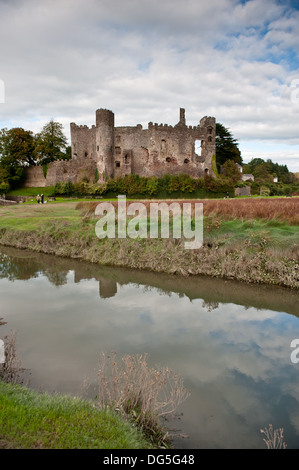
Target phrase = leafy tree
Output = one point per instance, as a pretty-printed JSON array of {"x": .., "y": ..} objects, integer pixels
[
  {"x": 254, "y": 162},
  {"x": 226, "y": 146},
  {"x": 16, "y": 152},
  {"x": 261, "y": 174},
  {"x": 51, "y": 143},
  {"x": 4, "y": 181},
  {"x": 247, "y": 169},
  {"x": 231, "y": 170},
  {"x": 4, "y": 175},
  {"x": 67, "y": 154},
  {"x": 16, "y": 148},
  {"x": 264, "y": 171}
]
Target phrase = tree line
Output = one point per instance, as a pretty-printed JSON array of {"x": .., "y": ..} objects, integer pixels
[
  {"x": 20, "y": 148},
  {"x": 263, "y": 171}
]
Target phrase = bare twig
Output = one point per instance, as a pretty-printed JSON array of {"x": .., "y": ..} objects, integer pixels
[{"x": 274, "y": 438}]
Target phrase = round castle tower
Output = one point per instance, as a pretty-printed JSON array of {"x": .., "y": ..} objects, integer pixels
[{"x": 104, "y": 143}]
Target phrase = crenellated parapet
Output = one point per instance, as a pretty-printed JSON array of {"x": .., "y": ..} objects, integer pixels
[{"x": 155, "y": 150}]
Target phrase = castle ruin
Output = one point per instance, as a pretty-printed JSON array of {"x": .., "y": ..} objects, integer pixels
[{"x": 119, "y": 151}]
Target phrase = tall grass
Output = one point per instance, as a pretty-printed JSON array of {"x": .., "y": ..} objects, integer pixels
[
  {"x": 140, "y": 392},
  {"x": 283, "y": 209}
]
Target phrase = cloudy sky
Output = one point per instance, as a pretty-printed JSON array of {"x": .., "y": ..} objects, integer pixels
[{"x": 236, "y": 60}]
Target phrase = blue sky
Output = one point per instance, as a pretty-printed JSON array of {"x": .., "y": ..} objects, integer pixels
[{"x": 235, "y": 60}]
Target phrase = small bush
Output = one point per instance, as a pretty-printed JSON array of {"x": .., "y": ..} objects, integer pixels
[
  {"x": 4, "y": 188},
  {"x": 140, "y": 392},
  {"x": 152, "y": 186},
  {"x": 64, "y": 189}
]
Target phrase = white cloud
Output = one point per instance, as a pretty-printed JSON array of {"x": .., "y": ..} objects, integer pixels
[{"x": 144, "y": 60}]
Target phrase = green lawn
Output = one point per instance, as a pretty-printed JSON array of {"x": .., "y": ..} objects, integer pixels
[
  {"x": 50, "y": 218},
  {"x": 29, "y": 419}
]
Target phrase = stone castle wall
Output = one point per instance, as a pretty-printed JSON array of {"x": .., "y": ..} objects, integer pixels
[
  {"x": 60, "y": 171},
  {"x": 119, "y": 151}
]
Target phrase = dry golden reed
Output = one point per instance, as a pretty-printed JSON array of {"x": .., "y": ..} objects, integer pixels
[
  {"x": 141, "y": 392},
  {"x": 283, "y": 209}
]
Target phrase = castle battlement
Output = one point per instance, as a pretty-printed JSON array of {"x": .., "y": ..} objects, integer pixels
[{"x": 157, "y": 150}]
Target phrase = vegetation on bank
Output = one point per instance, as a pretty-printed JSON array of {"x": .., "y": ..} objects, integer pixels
[
  {"x": 244, "y": 239},
  {"x": 126, "y": 413},
  {"x": 34, "y": 420}
]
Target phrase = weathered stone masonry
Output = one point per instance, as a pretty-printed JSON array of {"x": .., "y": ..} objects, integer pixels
[{"x": 119, "y": 151}]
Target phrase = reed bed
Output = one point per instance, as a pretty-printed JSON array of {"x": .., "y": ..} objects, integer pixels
[
  {"x": 140, "y": 392},
  {"x": 281, "y": 209}
]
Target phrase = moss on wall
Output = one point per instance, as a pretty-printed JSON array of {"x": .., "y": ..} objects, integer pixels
[{"x": 213, "y": 165}]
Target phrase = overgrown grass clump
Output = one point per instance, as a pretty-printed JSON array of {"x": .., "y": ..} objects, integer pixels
[
  {"x": 32, "y": 420},
  {"x": 142, "y": 393}
]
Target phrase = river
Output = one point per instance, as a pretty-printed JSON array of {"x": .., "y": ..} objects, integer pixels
[{"x": 230, "y": 342}]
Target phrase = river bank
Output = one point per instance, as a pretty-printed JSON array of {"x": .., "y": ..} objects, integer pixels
[
  {"x": 251, "y": 250},
  {"x": 210, "y": 332},
  {"x": 35, "y": 420}
]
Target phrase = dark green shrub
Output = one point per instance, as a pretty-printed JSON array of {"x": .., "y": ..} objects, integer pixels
[
  {"x": 4, "y": 187},
  {"x": 152, "y": 186},
  {"x": 64, "y": 189}
]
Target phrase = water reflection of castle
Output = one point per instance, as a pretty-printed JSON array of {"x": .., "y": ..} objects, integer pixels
[
  {"x": 23, "y": 265},
  {"x": 107, "y": 287}
]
